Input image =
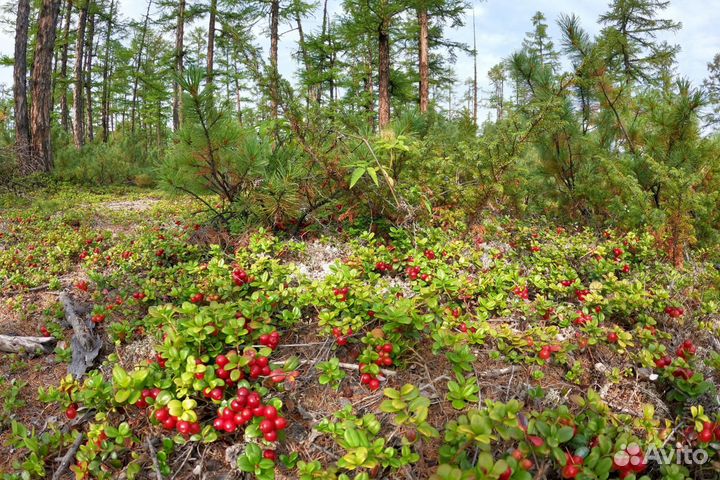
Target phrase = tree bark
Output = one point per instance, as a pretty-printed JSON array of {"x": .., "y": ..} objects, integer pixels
[
  {"x": 179, "y": 56},
  {"x": 78, "y": 100},
  {"x": 274, "y": 40},
  {"x": 22, "y": 122},
  {"x": 41, "y": 108},
  {"x": 475, "y": 76},
  {"x": 211, "y": 42},
  {"x": 88, "y": 73},
  {"x": 384, "y": 73},
  {"x": 105, "y": 120},
  {"x": 424, "y": 60},
  {"x": 64, "y": 109},
  {"x": 138, "y": 62},
  {"x": 370, "y": 88}
]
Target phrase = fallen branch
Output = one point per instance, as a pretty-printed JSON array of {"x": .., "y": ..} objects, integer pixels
[
  {"x": 15, "y": 344},
  {"x": 153, "y": 457},
  {"x": 352, "y": 366},
  {"x": 497, "y": 373},
  {"x": 68, "y": 458},
  {"x": 85, "y": 345}
]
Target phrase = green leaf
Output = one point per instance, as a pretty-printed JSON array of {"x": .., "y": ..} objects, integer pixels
[
  {"x": 373, "y": 175},
  {"x": 357, "y": 173},
  {"x": 122, "y": 395}
]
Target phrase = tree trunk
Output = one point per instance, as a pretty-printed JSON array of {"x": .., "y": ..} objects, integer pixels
[
  {"x": 384, "y": 73},
  {"x": 424, "y": 67},
  {"x": 41, "y": 108},
  {"x": 64, "y": 109},
  {"x": 274, "y": 40},
  {"x": 22, "y": 122},
  {"x": 179, "y": 55},
  {"x": 138, "y": 62},
  {"x": 370, "y": 88},
  {"x": 475, "y": 76},
  {"x": 78, "y": 104},
  {"x": 211, "y": 42},
  {"x": 105, "y": 120},
  {"x": 88, "y": 73}
]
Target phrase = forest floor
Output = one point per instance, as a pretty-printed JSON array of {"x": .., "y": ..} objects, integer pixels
[{"x": 488, "y": 315}]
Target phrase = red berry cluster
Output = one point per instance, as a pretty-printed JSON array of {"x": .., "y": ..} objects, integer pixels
[
  {"x": 222, "y": 361},
  {"x": 341, "y": 294},
  {"x": 385, "y": 359},
  {"x": 82, "y": 285},
  {"x": 271, "y": 340},
  {"x": 674, "y": 312},
  {"x": 170, "y": 422},
  {"x": 525, "y": 463},
  {"x": 567, "y": 283},
  {"x": 413, "y": 272},
  {"x": 341, "y": 339},
  {"x": 630, "y": 461},
  {"x": 246, "y": 407},
  {"x": 383, "y": 267},
  {"x": 573, "y": 466},
  {"x": 429, "y": 254},
  {"x": 147, "y": 393},
  {"x": 160, "y": 360},
  {"x": 710, "y": 432},
  {"x": 582, "y": 294},
  {"x": 240, "y": 277},
  {"x": 521, "y": 292},
  {"x": 197, "y": 298},
  {"x": 547, "y": 351},
  {"x": 368, "y": 379},
  {"x": 98, "y": 318},
  {"x": 582, "y": 318},
  {"x": 138, "y": 295},
  {"x": 686, "y": 350},
  {"x": 617, "y": 252}
]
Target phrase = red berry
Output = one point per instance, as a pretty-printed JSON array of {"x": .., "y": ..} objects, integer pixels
[
  {"x": 270, "y": 412},
  {"x": 570, "y": 471},
  {"x": 270, "y": 436},
  {"x": 374, "y": 384},
  {"x": 216, "y": 394},
  {"x": 162, "y": 414},
  {"x": 170, "y": 423},
  {"x": 270, "y": 455},
  {"x": 267, "y": 426},
  {"x": 183, "y": 427},
  {"x": 229, "y": 425},
  {"x": 612, "y": 337},
  {"x": 281, "y": 423},
  {"x": 71, "y": 411}
]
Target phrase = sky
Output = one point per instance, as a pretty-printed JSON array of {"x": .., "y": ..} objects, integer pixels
[{"x": 501, "y": 26}]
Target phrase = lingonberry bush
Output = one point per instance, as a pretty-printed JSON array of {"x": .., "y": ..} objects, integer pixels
[{"x": 505, "y": 352}]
